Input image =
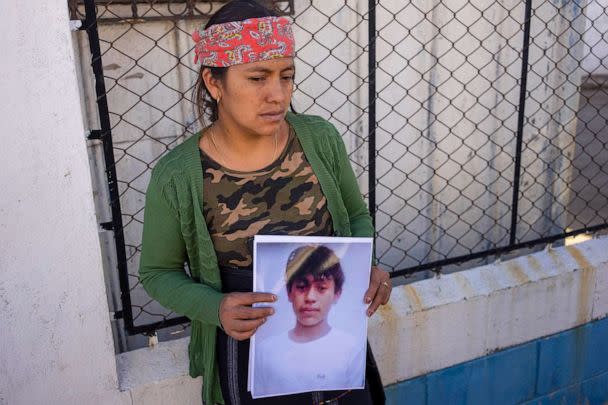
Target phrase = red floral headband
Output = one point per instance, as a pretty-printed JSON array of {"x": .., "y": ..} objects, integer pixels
[{"x": 239, "y": 42}]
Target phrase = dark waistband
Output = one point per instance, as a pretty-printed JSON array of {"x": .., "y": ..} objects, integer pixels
[{"x": 236, "y": 279}]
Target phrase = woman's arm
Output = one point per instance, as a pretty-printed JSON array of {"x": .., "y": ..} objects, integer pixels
[
  {"x": 163, "y": 255},
  {"x": 162, "y": 274},
  {"x": 358, "y": 212}
]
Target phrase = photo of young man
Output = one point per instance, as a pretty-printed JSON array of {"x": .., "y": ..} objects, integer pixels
[{"x": 312, "y": 355}]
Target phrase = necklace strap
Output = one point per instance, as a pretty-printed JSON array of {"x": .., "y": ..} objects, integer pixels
[{"x": 223, "y": 157}]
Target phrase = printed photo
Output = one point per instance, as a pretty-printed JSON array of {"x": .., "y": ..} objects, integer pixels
[{"x": 316, "y": 340}]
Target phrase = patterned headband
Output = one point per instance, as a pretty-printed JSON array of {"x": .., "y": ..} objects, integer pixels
[{"x": 239, "y": 42}]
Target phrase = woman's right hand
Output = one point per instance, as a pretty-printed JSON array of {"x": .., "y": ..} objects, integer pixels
[{"x": 239, "y": 319}]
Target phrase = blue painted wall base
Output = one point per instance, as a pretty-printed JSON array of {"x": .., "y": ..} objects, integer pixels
[{"x": 570, "y": 367}]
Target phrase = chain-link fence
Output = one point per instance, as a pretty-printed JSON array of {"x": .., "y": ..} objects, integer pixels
[{"x": 475, "y": 127}]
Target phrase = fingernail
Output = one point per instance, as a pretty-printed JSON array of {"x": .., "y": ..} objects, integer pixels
[
  {"x": 368, "y": 300},
  {"x": 274, "y": 298},
  {"x": 369, "y": 313}
]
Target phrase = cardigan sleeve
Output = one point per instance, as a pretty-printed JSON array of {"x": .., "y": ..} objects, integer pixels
[
  {"x": 358, "y": 212},
  {"x": 163, "y": 255},
  {"x": 361, "y": 224}
]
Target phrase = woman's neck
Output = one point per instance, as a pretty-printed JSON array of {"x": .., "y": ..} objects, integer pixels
[{"x": 238, "y": 150}]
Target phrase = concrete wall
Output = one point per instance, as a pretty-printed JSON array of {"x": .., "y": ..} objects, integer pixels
[
  {"x": 56, "y": 345},
  {"x": 437, "y": 323}
]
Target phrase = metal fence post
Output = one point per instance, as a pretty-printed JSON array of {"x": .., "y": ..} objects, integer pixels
[
  {"x": 105, "y": 135},
  {"x": 520, "y": 121},
  {"x": 372, "y": 109}
]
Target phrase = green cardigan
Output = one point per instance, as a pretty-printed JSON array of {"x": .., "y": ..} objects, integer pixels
[{"x": 175, "y": 233}]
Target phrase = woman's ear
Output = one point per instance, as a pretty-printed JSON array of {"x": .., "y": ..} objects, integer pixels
[{"x": 212, "y": 84}]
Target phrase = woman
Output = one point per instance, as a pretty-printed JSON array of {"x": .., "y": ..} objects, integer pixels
[{"x": 257, "y": 169}]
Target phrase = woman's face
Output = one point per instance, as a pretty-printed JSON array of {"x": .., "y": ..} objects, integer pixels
[{"x": 254, "y": 97}]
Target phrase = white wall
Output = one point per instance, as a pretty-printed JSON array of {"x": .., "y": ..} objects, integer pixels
[{"x": 56, "y": 345}]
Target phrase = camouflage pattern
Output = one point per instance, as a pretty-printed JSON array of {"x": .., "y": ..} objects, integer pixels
[{"x": 284, "y": 198}]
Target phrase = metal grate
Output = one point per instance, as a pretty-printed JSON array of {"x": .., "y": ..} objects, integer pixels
[
  {"x": 138, "y": 11},
  {"x": 475, "y": 127}
]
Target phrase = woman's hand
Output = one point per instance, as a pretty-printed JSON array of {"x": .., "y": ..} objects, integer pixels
[
  {"x": 379, "y": 290},
  {"x": 239, "y": 319}
]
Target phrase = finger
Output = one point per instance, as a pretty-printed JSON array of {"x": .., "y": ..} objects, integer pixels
[
  {"x": 248, "y": 326},
  {"x": 252, "y": 313},
  {"x": 375, "y": 304},
  {"x": 381, "y": 298},
  {"x": 243, "y": 335},
  {"x": 376, "y": 276},
  {"x": 247, "y": 335},
  {"x": 252, "y": 298},
  {"x": 372, "y": 291}
]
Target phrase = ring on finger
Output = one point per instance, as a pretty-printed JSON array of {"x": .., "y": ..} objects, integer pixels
[{"x": 387, "y": 285}]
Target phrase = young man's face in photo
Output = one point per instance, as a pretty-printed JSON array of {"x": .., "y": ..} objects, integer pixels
[{"x": 312, "y": 299}]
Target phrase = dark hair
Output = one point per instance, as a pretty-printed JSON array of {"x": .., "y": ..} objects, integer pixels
[
  {"x": 311, "y": 264},
  {"x": 237, "y": 10}
]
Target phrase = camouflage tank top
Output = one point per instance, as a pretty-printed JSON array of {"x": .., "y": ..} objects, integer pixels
[{"x": 284, "y": 198}]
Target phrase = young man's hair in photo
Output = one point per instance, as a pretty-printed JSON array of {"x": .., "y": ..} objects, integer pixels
[{"x": 319, "y": 261}]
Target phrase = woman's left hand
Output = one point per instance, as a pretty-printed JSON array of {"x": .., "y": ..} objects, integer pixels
[{"x": 379, "y": 290}]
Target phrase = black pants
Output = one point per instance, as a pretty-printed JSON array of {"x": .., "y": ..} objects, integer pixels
[{"x": 233, "y": 361}]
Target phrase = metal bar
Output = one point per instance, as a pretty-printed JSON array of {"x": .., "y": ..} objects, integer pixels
[
  {"x": 134, "y": 9},
  {"x": 189, "y": 11},
  {"x": 520, "y": 121},
  {"x": 190, "y": 7},
  {"x": 175, "y": 18},
  {"x": 371, "y": 55},
  {"x": 127, "y": 2},
  {"x": 138, "y": 20},
  {"x": 96, "y": 133},
  {"x": 108, "y": 152},
  {"x": 159, "y": 325},
  {"x": 492, "y": 252},
  {"x": 76, "y": 25},
  {"x": 107, "y": 226}
]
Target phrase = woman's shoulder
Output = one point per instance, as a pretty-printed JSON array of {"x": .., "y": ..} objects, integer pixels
[
  {"x": 177, "y": 161},
  {"x": 316, "y": 125}
]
